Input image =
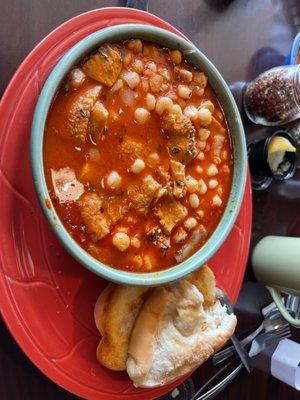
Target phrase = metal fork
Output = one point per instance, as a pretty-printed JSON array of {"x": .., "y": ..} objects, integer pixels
[
  {"x": 271, "y": 322},
  {"x": 259, "y": 344}
]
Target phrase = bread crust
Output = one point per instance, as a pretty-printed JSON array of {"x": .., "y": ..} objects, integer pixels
[
  {"x": 115, "y": 313},
  {"x": 205, "y": 282}
]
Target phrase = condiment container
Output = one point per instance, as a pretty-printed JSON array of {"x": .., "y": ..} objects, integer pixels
[
  {"x": 273, "y": 98},
  {"x": 262, "y": 173}
]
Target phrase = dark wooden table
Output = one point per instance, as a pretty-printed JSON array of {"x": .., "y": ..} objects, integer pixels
[{"x": 242, "y": 38}]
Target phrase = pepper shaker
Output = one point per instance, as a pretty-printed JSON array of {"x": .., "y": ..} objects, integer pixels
[{"x": 273, "y": 98}]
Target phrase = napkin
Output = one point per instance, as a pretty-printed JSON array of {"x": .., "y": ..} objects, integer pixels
[{"x": 285, "y": 363}]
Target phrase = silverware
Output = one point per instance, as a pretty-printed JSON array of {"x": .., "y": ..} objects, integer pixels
[
  {"x": 292, "y": 303},
  {"x": 272, "y": 320},
  {"x": 259, "y": 344},
  {"x": 246, "y": 360}
]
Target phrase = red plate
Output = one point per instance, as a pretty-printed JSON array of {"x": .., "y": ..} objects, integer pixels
[{"x": 46, "y": 297}]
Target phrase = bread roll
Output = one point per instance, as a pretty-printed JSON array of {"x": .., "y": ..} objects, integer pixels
[
  {"x": 160, "y": 334},
  {"x": 174, "y": 333},
  {"x": 115, "y": 312}
]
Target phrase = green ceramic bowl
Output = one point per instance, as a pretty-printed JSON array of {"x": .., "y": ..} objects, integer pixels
[{"x": 167, "y": 39}]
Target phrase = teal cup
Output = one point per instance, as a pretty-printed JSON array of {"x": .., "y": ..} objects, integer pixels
[{"x": 276, "y": 264}]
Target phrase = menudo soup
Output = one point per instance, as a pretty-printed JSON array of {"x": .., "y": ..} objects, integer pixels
[{"x": 137, "y": 156}]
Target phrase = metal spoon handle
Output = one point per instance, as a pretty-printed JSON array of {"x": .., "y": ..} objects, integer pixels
[
  {"x": 224, "y": 354},
  {"x": 244, "y": 356}
]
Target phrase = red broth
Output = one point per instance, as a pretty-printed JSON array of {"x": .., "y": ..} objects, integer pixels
[{"x": 111, "y": 170}]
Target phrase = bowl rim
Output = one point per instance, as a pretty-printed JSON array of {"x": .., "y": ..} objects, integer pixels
[{"x": 171, "y": 40}]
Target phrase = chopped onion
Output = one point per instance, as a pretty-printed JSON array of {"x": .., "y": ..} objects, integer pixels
[{"x": 128, "y": 96}]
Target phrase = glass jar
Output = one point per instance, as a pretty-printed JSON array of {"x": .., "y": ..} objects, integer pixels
[{"x": 273, "y": 98}]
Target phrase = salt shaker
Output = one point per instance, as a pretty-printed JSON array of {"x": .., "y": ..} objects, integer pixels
[{"x": 273, "y": 98}]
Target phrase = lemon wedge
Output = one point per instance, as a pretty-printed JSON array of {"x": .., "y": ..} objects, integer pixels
[
  {"x": 280, "y": 143},
  {"x": 277, "y": 148}
]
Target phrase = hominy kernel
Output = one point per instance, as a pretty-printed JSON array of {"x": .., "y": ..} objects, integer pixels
[
  {"x": 203, "y": 134},
  {"x": 152, "y": 66},
  {"x": 176, "y": 109},
  {"x": 138, "y": 66},
  {"x": 190, "y": 223},
  {"x": 121, "y": 241},
  {"x": 148, "y": 262},
  {"x": 137, "y": 166},
  {"x": 155, "y": 83},
  {"x": 200, "y": 78},
  {"x": 173, "y": 96},
  {"x": 141, "y": 115},
  {"x": 76, "y": 77},
  {"x": 163, "y": 104},
  {"x": 204, "y": 116},
  {"x": 113, "y": 180},
  {"x": 135, "y": 242},
  {"x": 213, "y": 183},
  {"x": 198, "y": 91},
  {"x": 201, "y": 144},
  {"x": 137, "y": 261},
  {"x": 216, "y": 201},
  {"x": 183, "y": 74},
  {"x": 212, "y": 170},
  {"x": 191, "y": 112},
  {"x": 202, "y": 187},
  {"x": 192, "y": 184},
  {"x": 209, "y": 105},
  {"x": 225, "y": 169},
  {"x": 127, "y": 58},
  {"x": 194, "y": 200},
  {"x": 122, "y": 229},
  {"x": 131, "y": 78},
  {"x": 164, "y": 72},
  {"x": 145, "y": 84},
  {"x": 150, "y": 101},
  {"x": 184, "y": 92},
  {"x": 164, "y": 87},
  {"x": 200, "y": 213},
  {"x": 176, "y": 56},
  {"x": 135, "y": 45},
  {"x": 199, "y": 169},
  {"x": 200, "y": 155},
  {"x": 153, "y": 160}
]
